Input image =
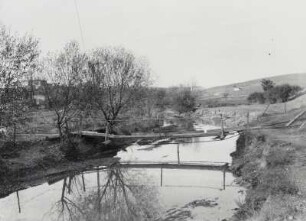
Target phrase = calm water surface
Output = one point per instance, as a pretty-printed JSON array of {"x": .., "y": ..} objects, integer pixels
[{"x": 136, "y": 194}]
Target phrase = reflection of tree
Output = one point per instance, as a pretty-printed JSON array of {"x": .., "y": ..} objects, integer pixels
[
  {"x": 116, "y": 199},
  {"x": 66, "y": 208}
]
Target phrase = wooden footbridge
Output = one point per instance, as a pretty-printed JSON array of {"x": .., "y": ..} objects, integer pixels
[{"x": 187, "y": 134}]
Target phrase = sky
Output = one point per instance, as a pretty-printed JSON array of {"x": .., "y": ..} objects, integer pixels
[{"x": 204, "y": 42}]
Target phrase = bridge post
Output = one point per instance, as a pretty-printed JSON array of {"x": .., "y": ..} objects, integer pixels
[
  {"x": 83, "y": 182},
  {"x": 222, "y": 128},
  {"x": 247, "y": 129},
  {"x": 161, "y": 176},
  {"x": 99, "y": 194},
  {"x": 69, "y": 184},
  {"x": 224, "y": 173},
  {"x": 18, "y": 199},
  {"x": 178, "y": 153},
  {"x": 63, "y": 189}
]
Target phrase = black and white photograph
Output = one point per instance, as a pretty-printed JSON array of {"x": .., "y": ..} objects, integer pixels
[{"x": 152, "y": 110}]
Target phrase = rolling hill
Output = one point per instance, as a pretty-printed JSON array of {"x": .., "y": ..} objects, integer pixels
[{"x": 237, "y": 93}]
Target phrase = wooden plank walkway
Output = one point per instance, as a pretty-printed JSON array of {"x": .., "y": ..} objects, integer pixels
[
  {"x": 209, "y": 133},
  {"x": 188, "y": 134}
]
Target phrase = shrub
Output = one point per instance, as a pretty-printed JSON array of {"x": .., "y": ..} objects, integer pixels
[
  {"x": 257, "y": 97},
  {"x": 185, "y": 101},
  {"x": 274, "y": 94},
  {"x": 267, "y": 84}
]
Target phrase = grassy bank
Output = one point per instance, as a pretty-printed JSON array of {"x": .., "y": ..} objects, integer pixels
[
  {"x": 26, "y": 162},
  {"x": 271, "y": 164}
]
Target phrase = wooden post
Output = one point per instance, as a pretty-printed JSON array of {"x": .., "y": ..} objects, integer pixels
[
  {"x": 99, "y": 195},
  {"x": 266, "y": 109},
  {"x": 63, "y": 190},
  {"x": 247, "y": 129},
  {"x": 159, "y": 126},
  {"x": 248, "y": 120},
  {"x": 285, "y": 107},
  {"x": 69, "y": 184},
  {"x": 18, "y": 200},
  {"x": 83, "y": 181},
  {"x": 98, "y": 181},
  {"x": 224, "y": 173},
  {"x": 222, "y": 127},
  {"x": 161, "y": 176},
  {"x": 178, "y": 154}
]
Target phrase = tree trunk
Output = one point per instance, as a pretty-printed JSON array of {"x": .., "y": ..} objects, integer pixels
[{"x": 60, "y": 132}]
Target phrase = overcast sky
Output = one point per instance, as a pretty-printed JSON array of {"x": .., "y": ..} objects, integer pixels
[{"x": 210, "y": 42}]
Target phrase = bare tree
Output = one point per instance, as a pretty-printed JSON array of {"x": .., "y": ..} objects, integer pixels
[
  {"x": 116, "y": 77},
  {"x": 65, "y": 72},
  {"x": 18, "y": 58}
]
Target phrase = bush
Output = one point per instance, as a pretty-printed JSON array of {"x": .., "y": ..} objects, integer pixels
[
  {"x": 70, "y": 149},
  {"x": 274, "y": 94},
  {"x": 185, "y": 101},
  {"x": 257, "y": 97}
]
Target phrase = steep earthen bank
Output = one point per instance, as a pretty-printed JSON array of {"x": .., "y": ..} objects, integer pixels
[{"x": 265, "y": 166}]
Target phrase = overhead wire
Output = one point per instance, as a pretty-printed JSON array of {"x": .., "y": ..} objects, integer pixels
[{"x": 79, "y": 23}]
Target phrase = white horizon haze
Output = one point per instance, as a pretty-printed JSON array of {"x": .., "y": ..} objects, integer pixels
[{"x": 206, "y": 42}]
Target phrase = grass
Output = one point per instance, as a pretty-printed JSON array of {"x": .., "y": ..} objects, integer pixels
[{"x": 272, "y": 165}]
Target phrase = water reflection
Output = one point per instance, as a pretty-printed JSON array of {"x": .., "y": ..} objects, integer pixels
[
  {"x": 116, "y": 197},
  {"x": 135, "y": 194}
]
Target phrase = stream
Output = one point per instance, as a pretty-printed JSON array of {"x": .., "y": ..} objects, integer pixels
[{"x": 129, "y": 194}]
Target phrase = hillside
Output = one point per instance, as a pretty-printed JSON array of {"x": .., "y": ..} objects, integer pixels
[{"x": 237, "y": 93}]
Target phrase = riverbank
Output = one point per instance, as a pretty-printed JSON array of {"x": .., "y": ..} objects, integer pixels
[
  {"x": 41, "y": 158},
  {"x": 202, "y": 194},
  {"x": 271, "y": 164},
  {"x": 32, "y": 163}
]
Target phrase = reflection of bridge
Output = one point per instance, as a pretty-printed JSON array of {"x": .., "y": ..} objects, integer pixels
[
  {"x": 219, "y": 166},
  {"x": 183, "y": 165},
  {"x": 175, "y": 165},
  {"x": 180, "y": 165}
]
